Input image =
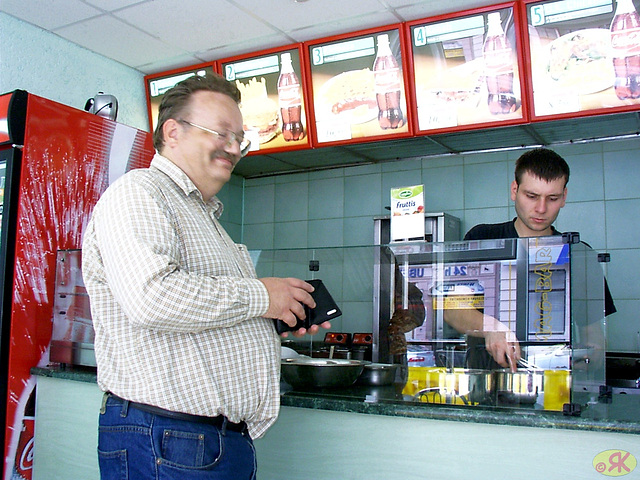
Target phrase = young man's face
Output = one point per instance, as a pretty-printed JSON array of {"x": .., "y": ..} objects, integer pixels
[{"x": 537, "y": 204}]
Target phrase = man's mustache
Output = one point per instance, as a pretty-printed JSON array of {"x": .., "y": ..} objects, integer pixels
[{"x": 226, "y": 155}]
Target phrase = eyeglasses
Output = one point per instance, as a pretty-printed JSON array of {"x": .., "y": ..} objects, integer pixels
[{"x": 228, "y": 138}]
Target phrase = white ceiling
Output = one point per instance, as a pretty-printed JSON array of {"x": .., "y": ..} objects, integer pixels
[{"x": 158, "y": 35}]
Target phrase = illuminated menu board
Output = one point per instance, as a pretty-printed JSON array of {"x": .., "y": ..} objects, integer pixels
[
  {"x": 358, "y": 87},
  {"x": 584, "y": 55},
  {"x": 157, "y": 85},
  {"x": 273, "y": 98},
  {"x": 466, "y": 70}
]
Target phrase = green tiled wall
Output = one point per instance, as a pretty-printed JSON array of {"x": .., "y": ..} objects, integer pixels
[{"x": 336, "y": 208}]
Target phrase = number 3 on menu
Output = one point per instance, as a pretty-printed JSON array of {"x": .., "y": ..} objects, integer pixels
[
  {"x": 537, "y": 15},
  {"x": 318, "y": 57}
]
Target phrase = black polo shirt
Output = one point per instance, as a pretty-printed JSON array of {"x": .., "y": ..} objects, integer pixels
[{"x": 489, "y": 231}]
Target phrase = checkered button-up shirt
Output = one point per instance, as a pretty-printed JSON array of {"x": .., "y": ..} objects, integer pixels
[{"x": 175, "y": 303}]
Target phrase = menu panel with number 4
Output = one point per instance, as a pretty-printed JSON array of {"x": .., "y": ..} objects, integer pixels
[{"x": 467, "y": 70}]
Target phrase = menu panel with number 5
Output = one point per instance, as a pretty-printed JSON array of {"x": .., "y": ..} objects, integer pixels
[{"x": 585, "y": 56}]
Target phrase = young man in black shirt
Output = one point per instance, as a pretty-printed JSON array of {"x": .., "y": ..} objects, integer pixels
[{"x": 538, "y": 191}]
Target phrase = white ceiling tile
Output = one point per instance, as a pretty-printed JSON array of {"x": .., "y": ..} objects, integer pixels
[
  {"x": 404, "y": 3},
  {"x": 49, "y": 14},
  {"x": 169, "y": 63},
  {"x": 423, "y": 10},
  {"x": 289, "y": 16},
  {"x": 251, "y": 45},
  {"x": 158, "y": 35},
  {"x": 111, "y": 5},
  {"x": 194, "y": 25},
  {"x": 125, "y": 43},
  {"x": 343, "y": 25}
]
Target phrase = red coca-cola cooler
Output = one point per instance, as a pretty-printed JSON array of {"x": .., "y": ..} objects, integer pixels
[
  {"x": 157, "y": 84},
  {"x": 274, "y": 103},
  {"x": 358, "y": 86},
  {"x": 55, "y": 162},
  {"x": 583, "y": 57},
  {"x": 467, "y": 70}
]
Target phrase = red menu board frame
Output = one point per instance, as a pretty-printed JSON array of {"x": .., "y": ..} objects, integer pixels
[
  {"x": 455, "y": 97},
  {"x": 4, "y": 117},
  {"x": 259, "y": 89},
  {"x": 579, "y": 88},
  {"x": 355, "y": 120},
  {"x": 152, "y": 104}
]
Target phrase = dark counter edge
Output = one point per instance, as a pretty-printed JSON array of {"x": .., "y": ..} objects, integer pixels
[{"x": 486, "y": 415}]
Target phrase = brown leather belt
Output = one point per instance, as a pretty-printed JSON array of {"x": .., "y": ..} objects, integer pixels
[{"x": 220, "y": 421}]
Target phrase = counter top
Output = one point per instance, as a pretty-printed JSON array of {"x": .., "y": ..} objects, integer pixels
[{"x": 621, "y": 415}]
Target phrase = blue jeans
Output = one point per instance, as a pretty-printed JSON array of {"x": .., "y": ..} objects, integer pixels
[{"x": 137, "y": 445}]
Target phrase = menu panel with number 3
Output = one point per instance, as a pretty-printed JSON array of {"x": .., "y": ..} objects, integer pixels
[{"x": 358, "y": 87}]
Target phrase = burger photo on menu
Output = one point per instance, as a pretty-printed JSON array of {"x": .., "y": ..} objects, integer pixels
[
  {"x": 259, "y": 112},
  {"x": 348, "y": 96}
]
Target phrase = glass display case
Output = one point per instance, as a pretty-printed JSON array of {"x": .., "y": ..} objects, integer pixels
[
  {"x": 429, "y": 322},
  {"x": 427, "y": 308}
]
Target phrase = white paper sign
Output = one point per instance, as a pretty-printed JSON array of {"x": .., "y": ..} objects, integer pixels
[{"x": 407, "y": 213}]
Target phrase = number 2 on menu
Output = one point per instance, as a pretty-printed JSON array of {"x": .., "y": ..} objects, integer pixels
[{"x": 230, "y": 73}]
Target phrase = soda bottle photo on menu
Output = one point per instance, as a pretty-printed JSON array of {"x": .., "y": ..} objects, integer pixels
[
  {"x": 498, "y": 62},
  {"x": 625, "y": 47},
  {"x": 290, "y": 101},
  {"x": 386, "y": 77}
]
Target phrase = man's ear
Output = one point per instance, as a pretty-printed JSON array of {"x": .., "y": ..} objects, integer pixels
[
  {"x": 514, "y": 190},
  {"x": 170, "y": 130}
]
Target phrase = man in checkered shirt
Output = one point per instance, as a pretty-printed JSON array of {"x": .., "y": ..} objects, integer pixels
[{"x": 185, "y": 343}]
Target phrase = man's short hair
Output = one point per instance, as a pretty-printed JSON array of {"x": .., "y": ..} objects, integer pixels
[
  {"x": 176, "y": 100},
  {"x": 542, "y": 163}
]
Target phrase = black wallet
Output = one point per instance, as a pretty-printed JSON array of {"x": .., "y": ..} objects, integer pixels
[{"x": 326, "y": 309}]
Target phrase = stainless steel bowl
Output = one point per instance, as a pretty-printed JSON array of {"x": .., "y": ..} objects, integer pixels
[
  {"x": 320, "y": 372},
  {"x": 377, "y": 374},
  {"x": 459, "y": 386},
  {"x": 521, "y": 386},
  {"x": 476, "y": 385}
]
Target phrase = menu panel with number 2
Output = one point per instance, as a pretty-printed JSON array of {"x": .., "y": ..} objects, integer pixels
[{"x": 273, "y": 105}]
